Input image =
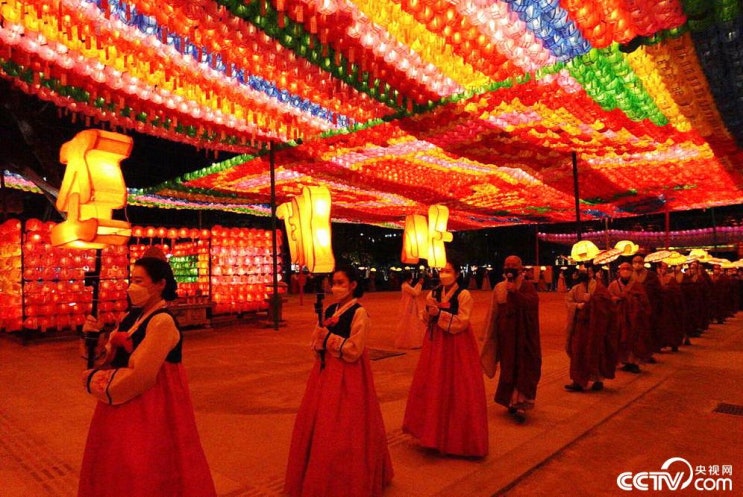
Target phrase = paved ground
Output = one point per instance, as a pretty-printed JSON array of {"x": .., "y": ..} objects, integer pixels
[{"x": 247, "y": 381}]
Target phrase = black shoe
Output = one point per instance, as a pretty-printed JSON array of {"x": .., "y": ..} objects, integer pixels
[
  {"x": 574, "y": 387},
  {"x": 519, "y": 416},
  {"x": 597, "y": 386},
  {"x": 627, "y": 367},
  {"x": 652, "y": 360},
  {"x": 634, "y": 368},
  {"x": 687, "y": 341},
  {"x": 674, "y": 348},
  {"x": 512, "y": 410}
]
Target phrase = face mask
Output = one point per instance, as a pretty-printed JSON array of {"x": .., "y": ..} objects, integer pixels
[
  {"x": 340, "y": 292},
  {"x": 511, "y": 273},
  {"x": 138, "y": 294},
  {"x": 447, "y": 279}
]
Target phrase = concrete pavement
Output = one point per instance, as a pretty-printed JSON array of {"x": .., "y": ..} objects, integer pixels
[{"x": 247, "y": 381}]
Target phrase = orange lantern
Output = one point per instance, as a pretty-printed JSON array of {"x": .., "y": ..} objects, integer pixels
[
  {"x": 414, "y": 239},
  {"x": 91, "y": 188},
  {"x": 438, "y": 217},
  {"x": 308, "y": 229}
]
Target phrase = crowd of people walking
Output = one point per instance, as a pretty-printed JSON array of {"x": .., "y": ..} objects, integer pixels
[{"x": 339, "y": 443}]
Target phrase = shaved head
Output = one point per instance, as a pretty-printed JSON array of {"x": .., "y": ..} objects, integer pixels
[{"x": 513, "y": 261}]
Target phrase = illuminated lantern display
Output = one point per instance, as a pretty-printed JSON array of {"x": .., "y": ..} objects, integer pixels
[
  {"x": 11, "y": 310},
  {"x": 627, "y": 247},
  {"x": 285, "y": 211},
  {"x": 308, "y": 229},
  {"x": 438, "y": 217},
  {"x": 583, "y": 251},
  {"x": 92, "y": 188},
  {"x": 414, "y": 239}
]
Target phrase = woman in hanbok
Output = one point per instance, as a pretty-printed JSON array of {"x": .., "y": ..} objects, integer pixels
[
  {"x": 339, "y": 443},
  {"x": 143, "y": 440},
  {"x": 446, "y": 408},
  {"x": 410, "y": 328}
]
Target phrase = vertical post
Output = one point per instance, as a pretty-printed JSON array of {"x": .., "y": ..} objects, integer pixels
[
  {"x": 668, "y": 226},
  {"x": 606, "y": 233},
  {"x": 576, "y": 192},
  {"x": 91, "y": 337},
  {"x": 714, "y": 229},
  {"x": 275, "y": 298}
]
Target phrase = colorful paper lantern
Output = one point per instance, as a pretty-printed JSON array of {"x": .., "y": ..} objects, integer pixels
[
  {"x": 91, "y": 189},
  {"x": 438, "y": 217},
  {"x": 307, "y": 221},
  {"x": 583, "y": 251},
  {"x": 414, "y": 239}
]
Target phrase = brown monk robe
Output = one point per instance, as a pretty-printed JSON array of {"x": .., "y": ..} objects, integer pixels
[
  {"x": 696, "y": 298},
  {"x": 512, "y": 339},
  {"x": 671, "y": 327},
  {"x": 651, "y": 284},
  {"x": 590, "y": 345},
  {"x": 632, "y": 312}
]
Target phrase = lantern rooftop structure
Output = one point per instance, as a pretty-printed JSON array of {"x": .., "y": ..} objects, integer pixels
[{"x": 397, "y": 105}]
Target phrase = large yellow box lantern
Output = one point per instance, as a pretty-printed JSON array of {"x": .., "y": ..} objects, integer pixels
[
  {"x": 91, "y": 189},
  {"x": 307, "y": 220},
  {"x": 414, "y": 239},
  {"x": 426, "y": 241}
]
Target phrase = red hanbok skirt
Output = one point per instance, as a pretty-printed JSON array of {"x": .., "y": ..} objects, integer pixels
[
  {"x": 148, "y": 446},
  {"x": 339, "y": 444},
  {"x": 446, "y": 407}
]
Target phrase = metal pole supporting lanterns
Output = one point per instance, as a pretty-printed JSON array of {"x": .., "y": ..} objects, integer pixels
[
  {"x": 578, "y": 229},
  {"x": 275, "y": 301}
]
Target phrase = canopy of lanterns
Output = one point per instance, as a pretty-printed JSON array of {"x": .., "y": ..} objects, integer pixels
[{"x": 402, "y": 104}]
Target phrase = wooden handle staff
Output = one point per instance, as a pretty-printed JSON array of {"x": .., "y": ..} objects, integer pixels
[{"x": 318, "y": 310}]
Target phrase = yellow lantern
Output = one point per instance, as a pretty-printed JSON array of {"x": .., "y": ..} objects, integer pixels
[
  {"x": 584, "y": 250},
  {"x": 438, "y": 216},
  {"x": 414, "y": 239},
  {"x": 627, "y": 247},
  {"x": 91, "y": 188},
  {"x": 307, "y": 220},
  {"x": 285, "y": 211}
]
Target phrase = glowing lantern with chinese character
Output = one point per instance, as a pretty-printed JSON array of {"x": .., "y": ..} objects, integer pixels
[
  {"x": 438, "y": 217},
  {"x": 91, "y": 188},
  {"x": 307, "y": 220},
  {"x": 414, "y": 239}
]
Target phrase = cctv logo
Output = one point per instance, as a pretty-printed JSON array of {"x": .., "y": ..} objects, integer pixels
[{"x": 681, "y": 477}]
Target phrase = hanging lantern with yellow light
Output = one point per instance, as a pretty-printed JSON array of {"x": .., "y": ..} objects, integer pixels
[
  {"x": 307, "y": 220},
  {"x": 91, "y": 189},
  {"x": 414, "y": 239},
  {"x": 438, "y": 217},
  {"x": 584, "y": 251}
]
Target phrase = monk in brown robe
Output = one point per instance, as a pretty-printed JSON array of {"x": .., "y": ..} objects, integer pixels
[
  {"x": 512, "y": 340},
  {"x": 591, "y": 350},
  {"x": 632, "y": 312},
  {"x": 651, "y": 285},
  {"x": 671, "y": 327}
]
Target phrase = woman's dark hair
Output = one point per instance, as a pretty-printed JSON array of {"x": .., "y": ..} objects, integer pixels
[
  {"x": 160, "y": 270},
  {"x": 454, "y": 264},
  {"x": 352, "y": 276},
  {"x": 406, "y": 276}
]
